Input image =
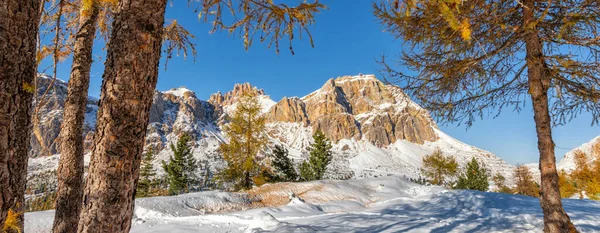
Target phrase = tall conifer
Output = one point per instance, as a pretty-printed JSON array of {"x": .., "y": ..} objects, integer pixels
[
  {"x": 147, "y": 174},
  {"x": 181, "y": 167},
  {"x": 320, "y": 156},
  {"x": 474, "y": 177}
]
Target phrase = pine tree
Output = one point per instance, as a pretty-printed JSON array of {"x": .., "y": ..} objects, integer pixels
[
  {"x": 474, "y": 177},
  {"x": 524, "y": 182},
  {"x": 146, "y": 180},
  {"x": 438, "y": 168},
  {"x": 181, "y": 167},
  {"x": 283, "y": 165},
  {"x": 320, "y": 155},
  {"x": 247, "y": 139}
]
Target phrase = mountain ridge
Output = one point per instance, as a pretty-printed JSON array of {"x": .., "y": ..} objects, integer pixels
[{"x": 375, "y": 128}]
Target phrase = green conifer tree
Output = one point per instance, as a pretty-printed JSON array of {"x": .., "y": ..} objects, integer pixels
[
  {"x": 320, "y": 156},
  {"x": 147, "y": 172},
  {"x": 283, "y": 165},
  {"x": 181, "y": 167},
  {"x": 474, "y": 177}
]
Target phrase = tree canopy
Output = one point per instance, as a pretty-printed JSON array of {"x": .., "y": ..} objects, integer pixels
[{"x": 461, "y": 80}]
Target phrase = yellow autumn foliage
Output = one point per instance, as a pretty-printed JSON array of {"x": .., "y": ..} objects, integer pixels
[
  {"x": 585, "y": 179},
  {"x": 11, "y": 225}
]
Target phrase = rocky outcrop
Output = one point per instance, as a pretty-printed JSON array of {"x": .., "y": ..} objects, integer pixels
[
  {"x": 289, "y": 110},
  {"x": 221, "y": 101},
  {"x": 329, "y": 111},
  {"x": 359, "y": 107}
]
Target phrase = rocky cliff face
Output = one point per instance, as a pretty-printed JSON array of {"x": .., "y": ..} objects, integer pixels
[
  {"x": 359, "y": 107},
  {"x": 376, "y": 129}
]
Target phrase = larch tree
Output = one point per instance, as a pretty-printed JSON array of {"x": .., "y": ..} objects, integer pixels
[
  {"x": 524, "y": 184},
  {"x": 18, "y": 39},
  {"x": 129, "y": 81},
  {"x": 246, "y": 141},
  {"x": 566, "y": 185},
  {"x": 438, "y": 168},
  {"x": 500, "y": 183},
  {"x": 70, "y": 168},
  {"x": 585, "y": 175},
  {"x": 493, "y": 55},
  {"x": 92, "y": 16}
]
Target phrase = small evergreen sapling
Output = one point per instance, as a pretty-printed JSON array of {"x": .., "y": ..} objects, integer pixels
[
  {"x": 147, "y": 173},
  {"x": 474, "y": 177},
  {"x": 320, "y": 156},
  {"x": 181, "y": 167},
  {"x": 282, "y": 164}
]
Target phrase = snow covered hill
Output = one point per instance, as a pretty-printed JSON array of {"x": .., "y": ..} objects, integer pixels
[{"x": 387, "y": 204}]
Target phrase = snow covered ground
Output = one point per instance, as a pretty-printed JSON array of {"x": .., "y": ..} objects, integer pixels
[{"x": 387, "y": 204}]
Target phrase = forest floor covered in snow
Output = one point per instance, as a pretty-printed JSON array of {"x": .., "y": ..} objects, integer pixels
[{"x": 388, "y": 204}]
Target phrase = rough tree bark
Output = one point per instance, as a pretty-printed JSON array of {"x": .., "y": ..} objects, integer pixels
[
  {"x": 129, "y": 80},
  {"x": 70, "y": 168},
  {"x": 555, "y": 218},
  {"x": 18, "y": 37}
]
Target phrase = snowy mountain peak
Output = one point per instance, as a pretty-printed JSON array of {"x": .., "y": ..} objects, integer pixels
[
  {"x": 180, "y": 92},
  {"x": 356, "y": 78}
]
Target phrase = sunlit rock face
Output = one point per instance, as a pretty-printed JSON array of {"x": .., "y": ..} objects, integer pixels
[{"x": 358, "y": 107}]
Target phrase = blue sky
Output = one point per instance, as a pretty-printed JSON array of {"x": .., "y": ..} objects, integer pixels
[{"x": 348, "y": 41}]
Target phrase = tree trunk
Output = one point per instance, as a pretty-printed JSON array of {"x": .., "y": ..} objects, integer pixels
[
  {"x": 70, "y": 169},
  {"x": 129, "y": 80},
  {"x": 18, "y": 37},
  {"x": 555, "y": 218}
]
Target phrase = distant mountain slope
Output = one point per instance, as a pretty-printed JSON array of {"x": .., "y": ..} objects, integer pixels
[
  {"x": 376, "y": 129},
  {"x": 591, "y": 149}
]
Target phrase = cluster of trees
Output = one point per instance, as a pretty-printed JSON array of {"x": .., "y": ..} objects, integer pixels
[
  {"x": 183, "y": 172},
  {"x": 471, "y": 58},
  {"x": 584, "y": 180},
  {"x": 249, "y": 163},
  {"x": 134, "y": 33},
  {"x": 440, "y": 169}
]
